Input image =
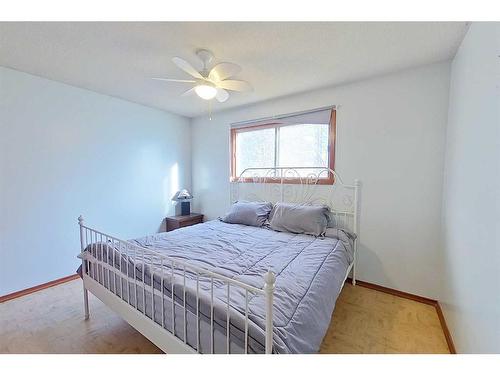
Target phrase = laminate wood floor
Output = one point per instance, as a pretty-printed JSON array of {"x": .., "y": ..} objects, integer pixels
[{"x": 364, "y": 321}]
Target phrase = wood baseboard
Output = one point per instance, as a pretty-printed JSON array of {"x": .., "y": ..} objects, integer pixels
[
  {"x": 395, "y": 292},
  {"x": 36, "y": 288},
  {"x": 446, "y": 331},
  {"x": 414, "y": 297}
]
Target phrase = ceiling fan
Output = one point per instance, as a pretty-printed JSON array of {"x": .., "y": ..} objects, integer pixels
[{"x": 210, "y": 83}]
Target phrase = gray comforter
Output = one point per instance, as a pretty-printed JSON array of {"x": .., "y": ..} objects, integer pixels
[{"x": 309, "y": 276}]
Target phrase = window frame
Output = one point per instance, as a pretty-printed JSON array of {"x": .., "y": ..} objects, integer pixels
[{"x": 332, "y": 132}]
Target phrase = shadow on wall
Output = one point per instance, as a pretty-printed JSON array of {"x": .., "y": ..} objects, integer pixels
[
  {"x": 170, "y": 187},
  {"x": 162, "y": 227},
  {"x": 366, "y": 256},
  {"x": 174, "y": 211}
]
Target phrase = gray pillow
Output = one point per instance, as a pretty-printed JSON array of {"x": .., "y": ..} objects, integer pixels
[
  {"x": 248, "y": 213},
  {"x": 296, "y": 218}
]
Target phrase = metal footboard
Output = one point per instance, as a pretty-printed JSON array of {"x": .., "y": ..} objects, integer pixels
[{"x": 132, "y": 280}]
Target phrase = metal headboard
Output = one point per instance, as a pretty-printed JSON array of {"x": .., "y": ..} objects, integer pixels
[{"x": 301, "y": 185}]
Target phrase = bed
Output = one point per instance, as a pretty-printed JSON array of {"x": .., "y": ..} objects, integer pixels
[{"x": 229, "y": 288}]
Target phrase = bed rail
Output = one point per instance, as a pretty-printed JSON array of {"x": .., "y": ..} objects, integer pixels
[{"x": 123, "y": 275}]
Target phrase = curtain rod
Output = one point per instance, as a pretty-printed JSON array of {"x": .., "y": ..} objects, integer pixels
[{"x": 277, "y": 117}]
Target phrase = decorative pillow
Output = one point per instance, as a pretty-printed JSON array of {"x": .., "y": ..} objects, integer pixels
[
  {"x": 248, "y": 213},
  {"x": 295, "y": 218}
]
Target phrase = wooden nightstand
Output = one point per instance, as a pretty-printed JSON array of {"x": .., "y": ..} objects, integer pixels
[{"x": 181, "y": 221}]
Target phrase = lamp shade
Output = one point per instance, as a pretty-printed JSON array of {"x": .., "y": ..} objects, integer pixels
[{"x": 182, "y": 195}]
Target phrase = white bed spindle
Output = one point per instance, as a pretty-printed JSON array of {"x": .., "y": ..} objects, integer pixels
[
  {"x": 269, "y": 279},
  {"x": 184, "y": 300},
  {"x": 136, "y": 295},
  {"x": 91, "y": 263},
  {"x": 127, "y": 257},
  {"x": 96, "y": 262},
  {"x": 152, "y": 289},
  {"x": 357, "y": 186},
  {"x": 161, "y": 289},
  {"x": 173, "y": 297},
  {"x": 143, "y": 283},
  {"x": 197, "y": 312},
  {"x": 228, "y": 327},
  {"x": 102, "y": 258},
  {"x": 246, "y": 321},
  {"x": 118, "y": 248},
  {"x": 212, "y": 315},
  {"x": 83, "y": 245}
]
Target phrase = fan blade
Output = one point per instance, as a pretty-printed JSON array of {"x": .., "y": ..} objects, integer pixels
[
  {"x": 223, "y": 70},
  {"x": 187, "y": 67},
  {"x": 234, "y": 85},
  {"x": 222, "y": 95},
  {"x": 175, "y": 80},
  {"x": 188, "y": 92}
]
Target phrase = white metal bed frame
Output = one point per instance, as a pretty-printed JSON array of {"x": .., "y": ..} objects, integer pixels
[{"x": 95, "y": 270}]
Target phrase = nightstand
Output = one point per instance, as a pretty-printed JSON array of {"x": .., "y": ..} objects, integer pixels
[{"x": 181, "y": 221}]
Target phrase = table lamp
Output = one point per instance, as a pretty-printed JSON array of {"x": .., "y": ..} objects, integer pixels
[{"x": 185, "y": 197}]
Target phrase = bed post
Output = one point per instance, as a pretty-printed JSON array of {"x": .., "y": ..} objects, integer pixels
[
  {"x": 270, "y": 279},
  {"x": 357, "y": 185},
  {"x": 84, "y": 269}
]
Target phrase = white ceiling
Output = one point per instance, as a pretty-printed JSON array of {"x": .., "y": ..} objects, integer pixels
[{"x": 278, "y": 58}]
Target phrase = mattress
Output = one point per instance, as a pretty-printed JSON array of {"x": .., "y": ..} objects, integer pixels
[{"x": 310, "y": 272}]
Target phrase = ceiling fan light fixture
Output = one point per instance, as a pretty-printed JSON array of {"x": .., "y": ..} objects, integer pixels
[
  {"x": 206, "y": 92},
  {"x": 212, "y": 82}
]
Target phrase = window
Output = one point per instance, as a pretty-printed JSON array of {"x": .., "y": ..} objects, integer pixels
[{"x": 306, "y": 140}]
